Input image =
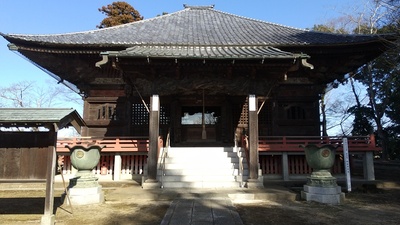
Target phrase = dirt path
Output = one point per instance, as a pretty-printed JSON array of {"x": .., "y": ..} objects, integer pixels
[{"x": 382, "y": 207}]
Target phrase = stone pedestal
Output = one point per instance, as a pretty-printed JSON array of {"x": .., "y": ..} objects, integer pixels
[
  {"x": 151, "y": 184},
  {"x": 255, "y": 183},
  {"x": 85, "y": 189},
  {"x": 322, "y": 187},
  {"x": 86, "y": 196},
  {"x": 328, "y": 195},
  {"x": 48, "y": 220}
]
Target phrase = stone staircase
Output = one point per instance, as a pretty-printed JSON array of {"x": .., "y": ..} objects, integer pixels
[{"x": 203, "y": 167}]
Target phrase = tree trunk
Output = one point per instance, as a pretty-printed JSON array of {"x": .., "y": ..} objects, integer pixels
[
  {"x": 323, "y": 112},
  {"x": 377, "y": 115}
]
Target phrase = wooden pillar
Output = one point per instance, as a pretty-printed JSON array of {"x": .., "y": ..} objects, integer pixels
[
  {"x": 154, "y": 127},
  {"x": 253, "y": 137},
  {"x": 49, "y": 218},
  {"x": 368, "y": 166},
  {"x": 117, "y": 167},
  {"x": 176, "y": 121},
  {"x": 86, "y": 111},
  {"x": 285, "y": 166}
]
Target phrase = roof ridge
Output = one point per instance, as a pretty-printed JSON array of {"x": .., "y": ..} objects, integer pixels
[{"x": 186, "y": 6}]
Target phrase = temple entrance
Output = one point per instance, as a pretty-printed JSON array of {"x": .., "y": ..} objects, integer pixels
[{"x": 200, "y": 124}]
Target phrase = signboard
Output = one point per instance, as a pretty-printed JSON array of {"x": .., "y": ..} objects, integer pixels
[
  {"x": 155, "y": 103},
  {"x": 346, "y": 163},
  {"x": 252, "y": 103}
]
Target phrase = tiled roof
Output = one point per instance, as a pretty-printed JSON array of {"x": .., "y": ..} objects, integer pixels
[
  {"x": 29, "y": 116},
  {"x": 214, "y": 52},
  {"x": 194, "y": 26}
]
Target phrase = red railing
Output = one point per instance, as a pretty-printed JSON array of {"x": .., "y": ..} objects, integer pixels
[
  {"x": 112, "y": 144},
  {"x": 270, "y": 164},
  {"x": 292, "y": 143}
]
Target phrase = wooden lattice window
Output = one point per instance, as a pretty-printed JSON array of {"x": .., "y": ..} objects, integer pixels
[
  {"x": 140, "y": 115},
  {"x": 107, "y": 112},
  {"x": 164, "y": 116},
  {"x": 244, "y": 115},
  {"x": 295, "y": 113}
]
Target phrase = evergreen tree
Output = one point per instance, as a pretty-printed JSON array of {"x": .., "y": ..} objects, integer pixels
[{"x": 118, "y": 13}]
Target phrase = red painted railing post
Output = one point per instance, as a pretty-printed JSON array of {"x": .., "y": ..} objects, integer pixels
[
  {"x": 284, "y": 141},
  {"x": 372, "y": 141}
]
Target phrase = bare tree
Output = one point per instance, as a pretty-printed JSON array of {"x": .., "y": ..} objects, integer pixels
[
  {"x": 337, "y": 116},
  {"x": 17, "y": 95},
  {"x": 376, "y": 77},
  {"x": 28, "y": 94}
]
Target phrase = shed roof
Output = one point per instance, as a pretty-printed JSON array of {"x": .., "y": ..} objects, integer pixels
[{"x": 36, "y": 117}]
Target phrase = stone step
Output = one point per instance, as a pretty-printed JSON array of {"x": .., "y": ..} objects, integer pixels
[
  {"x": 196, "y": 178},
  {"x": 200, "y": 184},
  {"x": 196, "y": 165},
  {"x": 200, "y": 153},
  {"x": 214, "y": 167},
  {"x": 203, "y": 148},
  {"x": 269, "y": 194},
  {"x": 197, "y": 160},
  {"x": 180, "y": 172}
]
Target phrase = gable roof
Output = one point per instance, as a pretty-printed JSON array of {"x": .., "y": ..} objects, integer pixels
[
  {"x": 32, "y": 117},
  {"x": 194, "y": 26}
]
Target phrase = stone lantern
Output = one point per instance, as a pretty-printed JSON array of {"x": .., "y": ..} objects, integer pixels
[
  {"x": 321, "y": 185},
  {"x": 84, "y": 188}
]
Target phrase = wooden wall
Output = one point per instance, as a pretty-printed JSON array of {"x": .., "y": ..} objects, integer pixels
[
  {"x": 292, "y": 109},
  {"x": 106, "y": 116},
  {"x": 295, "y": 111},
  {"x": 23, "y": 155}
]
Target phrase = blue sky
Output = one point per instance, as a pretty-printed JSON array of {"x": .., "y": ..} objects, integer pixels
[{"x": 62, "y": 16}]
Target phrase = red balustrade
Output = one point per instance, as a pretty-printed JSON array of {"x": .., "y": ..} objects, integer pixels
[
  {"x": 112, "y": 144},
  {"x": 292, "y": 143}
]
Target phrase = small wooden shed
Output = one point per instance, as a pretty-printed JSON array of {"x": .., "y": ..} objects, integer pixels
[{"x": 28, "y": 138}]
